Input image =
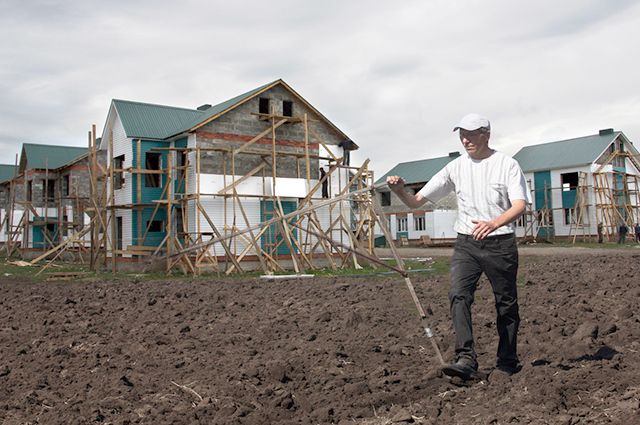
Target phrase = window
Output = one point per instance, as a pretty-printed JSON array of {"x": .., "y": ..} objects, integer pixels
[
  {"x": 402, "y": 224},
  {"x": 180, "y": 222},
  {"x": 48, "y": 190},
  {"x": 119, "y": 233},
  {"x": 155, "y": 226},
  {"x": 153, "y": 162},
  {"x": 50, "y": 231},
  {"x": 182, "y": 164},
  {"x": 418, "y": 222},
  {"x": 544, "y": 218},
  {"x": 118, "y": 173},
  {"x": 65, "y": 185},
  {"x": 385, "y": 199},
  {"x": 569, "y": 181},
  {"x": 263, "y": 105},
  {"x": 29, "y": 191},
  {"x": 287, "y": 108},
  {"x": 574, "y": 216}
]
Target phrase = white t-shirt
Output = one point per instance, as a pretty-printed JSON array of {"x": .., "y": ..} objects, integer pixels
[{"x": 484, "y": 189}]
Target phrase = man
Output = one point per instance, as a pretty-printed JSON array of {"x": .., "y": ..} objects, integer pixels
[
  {"x": 599, "y": 230},
  {"x": 492, "y": 192},
  {"x": 622, "y": 233},
  {"x": 637, "y": 228},
  {"x": 325, "y": 183},
  {"x": 347, "y": 146}
]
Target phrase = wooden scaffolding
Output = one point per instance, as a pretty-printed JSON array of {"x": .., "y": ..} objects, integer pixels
[
  {"x": 321, "y": 232},
  {"x": 59, "y": 215}
]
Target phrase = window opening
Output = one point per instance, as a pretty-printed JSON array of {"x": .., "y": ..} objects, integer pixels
[
  {"x": 153, "y": 162},
  {"x": 569, "y": 181},
  {"x": 155, "y": 226},
  {"x": 287, "y": 108},
  {"x": 419, "y": 222},
  {"x": 118, "y": 176},
  {"x": 385, "y": 199},
  {"x": 263, "y": 106}
]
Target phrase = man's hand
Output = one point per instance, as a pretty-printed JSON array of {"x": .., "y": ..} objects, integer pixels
[
  {"x": 482, "y": 229},
  {"x": 396, "y": 183}
]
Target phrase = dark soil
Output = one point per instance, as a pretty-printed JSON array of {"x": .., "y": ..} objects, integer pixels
[{"x": 331, "y": 350}]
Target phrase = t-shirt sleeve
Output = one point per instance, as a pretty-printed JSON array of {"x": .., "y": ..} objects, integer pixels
[
  {"x": 517, "y": 186},
  {"x": 438, "y": 187}
]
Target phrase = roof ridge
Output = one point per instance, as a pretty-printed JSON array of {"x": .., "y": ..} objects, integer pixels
[
  {"x": 50, "y": 145},
  {"x": 427, "y": 159},
  {"x": 615, "y": 133},
  {"x": 158, "y": 105}
]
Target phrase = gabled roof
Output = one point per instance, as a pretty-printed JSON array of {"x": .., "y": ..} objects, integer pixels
[
  {"x": 565, "y": 153},
  {"x": 35, "y": 156},
  {"x": 419, "y": 171},
  {"x": 7, "y": 172},
  {"x": 160, "y": 122}
]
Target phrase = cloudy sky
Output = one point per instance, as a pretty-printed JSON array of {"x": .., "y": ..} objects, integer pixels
[{"x": 395, "y": 76}]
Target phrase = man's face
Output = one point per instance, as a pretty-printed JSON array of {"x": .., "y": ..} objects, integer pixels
[{"x": 474, "y": 141}]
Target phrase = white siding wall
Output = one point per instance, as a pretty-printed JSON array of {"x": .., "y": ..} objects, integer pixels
[
  {"x": 17, "y": 216},
  {"x": 123, "y": 146},
  {"x": 289, "y": 189},
  {"x": 438, "y": 225},
  {"x": 443, "y": 221}
]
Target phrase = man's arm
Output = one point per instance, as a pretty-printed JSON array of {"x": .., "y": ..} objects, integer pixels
[
  {"x": 396, "y": 184},
  {"x": 483, "y": 228}
]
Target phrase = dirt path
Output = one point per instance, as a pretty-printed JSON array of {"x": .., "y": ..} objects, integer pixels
[{"x": 333, "y": 350}]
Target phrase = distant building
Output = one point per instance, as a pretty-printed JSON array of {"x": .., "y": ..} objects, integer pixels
[
  {"x": 46, "y": 197},
  {"x": 433, "y": 220},
  {"x": 577, "y": 183}
]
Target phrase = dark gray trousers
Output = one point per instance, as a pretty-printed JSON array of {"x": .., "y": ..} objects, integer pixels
[{"x": 497, "y": 258}]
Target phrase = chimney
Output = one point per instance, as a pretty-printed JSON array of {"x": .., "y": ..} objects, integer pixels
[
  {"x": 204, "y": 107},
  {"x": 454, "y": 154},
  {"x": 606, "y": 131}
]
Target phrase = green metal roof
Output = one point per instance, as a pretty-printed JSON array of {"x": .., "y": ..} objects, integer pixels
[
  {"x": 565, "y": 153},
  {"x": 418, "y": 171},
  {"x": 7, "y": 172},
  {"x": 48, "y": 156},
  {"x": 149, "y": 121}
]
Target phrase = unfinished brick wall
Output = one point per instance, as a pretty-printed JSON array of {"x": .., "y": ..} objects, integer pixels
[{"x": 240, "y": 125}]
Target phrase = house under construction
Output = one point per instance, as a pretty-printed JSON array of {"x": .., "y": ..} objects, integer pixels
[
  {"x": 45, "y": 201},
  {"x": 580, "y": 182},
  {"x": 191, "y": 186}
]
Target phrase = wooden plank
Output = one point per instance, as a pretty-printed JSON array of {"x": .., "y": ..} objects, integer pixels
[
  {"x": 258, "y": 137},
  {"x": 296, "y": 213}
]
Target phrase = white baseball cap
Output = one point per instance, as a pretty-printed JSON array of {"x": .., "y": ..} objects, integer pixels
[{"x": 472, "y": 122}]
